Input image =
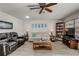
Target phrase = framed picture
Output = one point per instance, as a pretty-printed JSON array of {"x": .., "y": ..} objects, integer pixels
[{"x": 6, "y": 25}]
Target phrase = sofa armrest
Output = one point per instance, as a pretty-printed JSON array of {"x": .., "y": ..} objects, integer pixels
[
  {"x": 4, "y": 49},
  {"x": 20, "y": 39},
  {"x": 1, "y": 42},
  {"x": 4, "y": 40}
]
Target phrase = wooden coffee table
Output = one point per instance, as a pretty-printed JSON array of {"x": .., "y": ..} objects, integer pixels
[{"x": 45, "y": 45}]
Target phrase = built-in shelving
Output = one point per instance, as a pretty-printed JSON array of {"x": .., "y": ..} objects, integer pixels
[{"x": 60, "y": 29}]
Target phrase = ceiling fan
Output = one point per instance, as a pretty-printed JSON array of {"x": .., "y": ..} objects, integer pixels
[{"x": 42, "y": 6}]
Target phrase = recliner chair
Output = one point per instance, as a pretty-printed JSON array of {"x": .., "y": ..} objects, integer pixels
[
  {"x": 6, "y": 38},
  {"x": 15, "y": 37},
  {"x": 12, "y": 42}
]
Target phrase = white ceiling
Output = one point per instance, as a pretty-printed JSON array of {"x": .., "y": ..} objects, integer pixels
[{"x": 19, "y": 10}]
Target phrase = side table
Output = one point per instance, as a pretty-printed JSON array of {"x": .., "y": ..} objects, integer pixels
[{"x": 73, "y": 44}]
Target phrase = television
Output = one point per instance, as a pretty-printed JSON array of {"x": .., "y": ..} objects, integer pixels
[{"x": 71, "y": 32}]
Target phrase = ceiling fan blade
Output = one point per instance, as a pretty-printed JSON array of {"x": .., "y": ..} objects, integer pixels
[
  {"x": 32, "y": 5},
  {"x": 41, "y": 11},
  {"x": 48, "y": 10},
  {"x": 50, "y": 4},
  {"x": 42, "y": 5},
  {"x": 35, "y": 8}
]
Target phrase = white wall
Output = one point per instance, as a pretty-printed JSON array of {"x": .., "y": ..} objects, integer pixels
[
  {"x": 17, "y": 23},
  {"x": 51, "y": 25},
  {"x": 22, "y": 26},
  {"x": 72, "y": 16}
]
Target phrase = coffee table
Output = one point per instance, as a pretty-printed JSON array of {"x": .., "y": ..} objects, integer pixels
[{"x": 39, "y": 45}]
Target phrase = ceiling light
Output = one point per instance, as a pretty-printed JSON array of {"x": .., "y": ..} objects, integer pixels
[{"x": 27, "y": 17}]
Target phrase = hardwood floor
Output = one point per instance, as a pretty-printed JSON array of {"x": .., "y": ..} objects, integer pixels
[{"x": 58, "y": 49}]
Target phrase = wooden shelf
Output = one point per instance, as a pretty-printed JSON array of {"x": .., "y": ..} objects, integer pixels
[{"x": 60, "y": 29}]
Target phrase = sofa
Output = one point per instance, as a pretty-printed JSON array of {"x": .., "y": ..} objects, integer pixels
[{"x": 9, "y": 42}]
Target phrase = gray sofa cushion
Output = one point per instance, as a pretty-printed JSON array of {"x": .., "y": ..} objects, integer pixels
[
  {"x": 11, "y": 36},
  {"x": 8, "y": 36},
  {"x": 20, "y": 40},
  {"x": 12, "y": 43},
  {"x": 3, "y": 36},
  {"x": 14, "y": 36},
  {"x": 4, "y": 40}
]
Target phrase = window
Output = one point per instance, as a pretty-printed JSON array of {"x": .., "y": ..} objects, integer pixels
[{"x": 39, "y": 26}]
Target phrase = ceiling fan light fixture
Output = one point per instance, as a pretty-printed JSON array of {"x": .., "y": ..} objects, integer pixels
[{"x": 27, "y": 17}]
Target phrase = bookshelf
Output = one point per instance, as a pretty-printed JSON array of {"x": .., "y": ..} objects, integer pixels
[{"x": 60, "y": 29}]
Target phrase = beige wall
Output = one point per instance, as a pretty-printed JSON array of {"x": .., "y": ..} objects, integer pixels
[{"x": 51, "y": 25}]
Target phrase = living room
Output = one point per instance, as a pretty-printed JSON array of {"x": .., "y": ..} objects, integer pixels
[{"x": 25, "y": 27}]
